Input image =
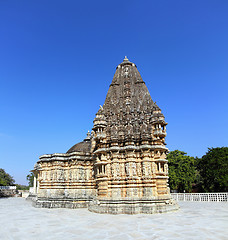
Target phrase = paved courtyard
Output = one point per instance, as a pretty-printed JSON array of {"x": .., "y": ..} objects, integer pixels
[{"x": 195, "y": 220}]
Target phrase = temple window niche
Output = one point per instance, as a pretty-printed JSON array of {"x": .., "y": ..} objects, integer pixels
[
  {"x": 101, "y": 169},
  {"x": 160, "y": 166}
]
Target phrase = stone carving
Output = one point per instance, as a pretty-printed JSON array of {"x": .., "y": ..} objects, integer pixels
[
  {"x": 114, "y": 170},
  {"x": 134, "y": 169},
  {"x": 70, "y": 175},
  {"x": 149, "y": 169},
  {"x": 108, "y": 169},
  {"x": 81, "y": 173},
  {"x": 139, "y": 170},
  {"x": 145, "y": 168},
  {"x": 166, "y": 168},
  {"x": 122, "y": 169},
  {"x": 154, "y": 167},
  {"x": 127, "y": 168},
  {"x": 61, "y": 175},
  {"x": 117, "y": 169}
]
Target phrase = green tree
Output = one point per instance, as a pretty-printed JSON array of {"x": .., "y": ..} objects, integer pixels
[
  {"x": 213, "y": 169},
  {"x": 30, "y": 179},
  {"x": 182, "y": 172},
  {"x": 21, "y": 187},
  {"x": 5, "y": 178}
]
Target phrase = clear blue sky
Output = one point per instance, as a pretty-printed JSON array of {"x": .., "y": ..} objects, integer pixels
[{"x": 57, "y": 59}]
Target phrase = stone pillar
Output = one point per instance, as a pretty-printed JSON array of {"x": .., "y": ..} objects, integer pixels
[
  {"x": 34, "y": 185},
  {"x": 159, "y": 167},
  {"x": 38, "y": 184}
]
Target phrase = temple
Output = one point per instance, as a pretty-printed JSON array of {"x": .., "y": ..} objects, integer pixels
[{"x": 121, "y": 167}]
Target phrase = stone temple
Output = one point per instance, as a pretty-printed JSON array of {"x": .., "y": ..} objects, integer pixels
[{"x": 121, "y": 167}]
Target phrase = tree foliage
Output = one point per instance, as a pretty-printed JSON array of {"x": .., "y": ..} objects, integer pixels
[
  {"x": 182, "y": 172},
  {"x": 5, "y": 178},
  {"x": 30, "y": 179},
  {"x": 213, "y": 169},
  {"x": 21, "y": 187}
]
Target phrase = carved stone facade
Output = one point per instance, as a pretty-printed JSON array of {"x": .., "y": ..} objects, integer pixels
[{"x": 121, "y": 167}]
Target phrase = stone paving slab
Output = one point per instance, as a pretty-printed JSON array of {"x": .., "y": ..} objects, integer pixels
[{"x": 19, "y": 220}]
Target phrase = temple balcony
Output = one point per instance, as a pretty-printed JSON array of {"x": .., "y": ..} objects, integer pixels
[
  {"x": 161, "y": 160},
  {"x": 100, "y": 163},
  {"x": 101, "y": 170},
  {"x": 101, "y": 175},
  {"x": 161, "y": 173},
  {"x": 159, "y": 132},
  {"x": 100, "y": 135}
]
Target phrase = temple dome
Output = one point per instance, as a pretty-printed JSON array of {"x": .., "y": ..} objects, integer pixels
[{"x": 83, "y": 146}]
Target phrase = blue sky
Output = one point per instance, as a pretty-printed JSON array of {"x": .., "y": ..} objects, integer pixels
[{"x": 58, "y": 58}]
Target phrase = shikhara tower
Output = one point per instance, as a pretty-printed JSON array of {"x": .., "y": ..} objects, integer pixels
[{"x": 122, "y": 166}]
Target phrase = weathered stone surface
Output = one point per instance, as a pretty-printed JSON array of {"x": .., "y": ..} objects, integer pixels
[{"x": 122, "y": 166}]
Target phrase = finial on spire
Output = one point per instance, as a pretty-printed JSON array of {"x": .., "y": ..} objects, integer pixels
[
  {"x": 126, "y": 59},
  {"x": 88, "y": 136}
]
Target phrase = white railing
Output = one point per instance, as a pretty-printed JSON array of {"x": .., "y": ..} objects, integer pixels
[
  {"x": 201, "y": 197},
  {"x": 8, "y": 187}
]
